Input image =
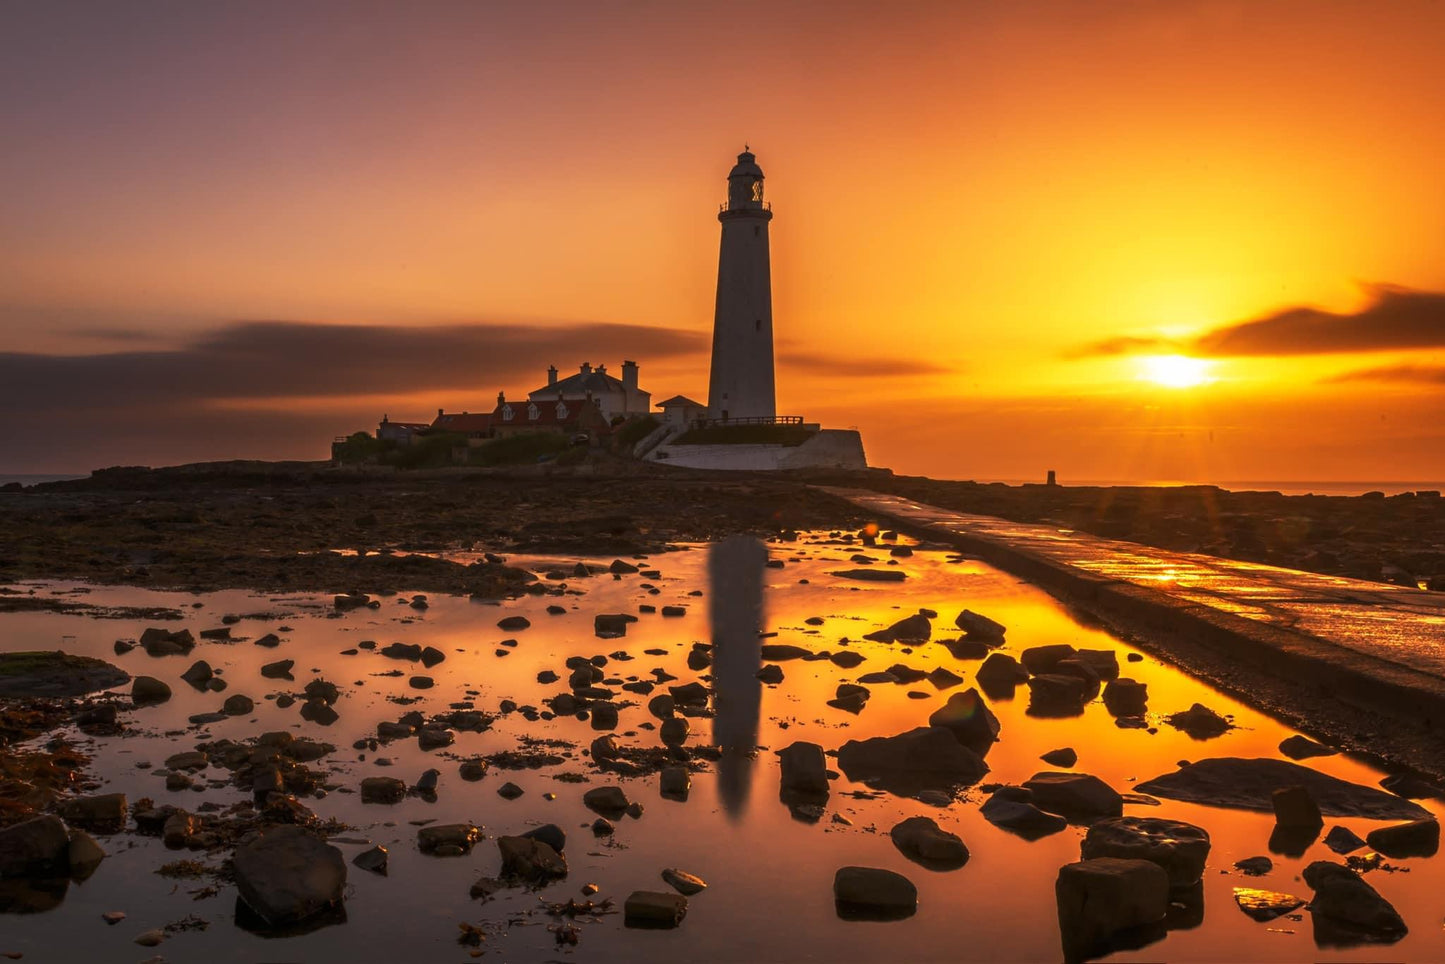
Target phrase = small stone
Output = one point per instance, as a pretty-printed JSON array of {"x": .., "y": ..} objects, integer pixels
[
  {"x": 873, "y": 893},
  {"x": 646, "y": 908},
  {"x": 373, "y": 860},
  {"x": 1063, "y": 757},
  {"x": 509, "y": 791},
  {"x": 921, "y": 840},
  {"x": 150, "y": 938},
  {"x": 683, "y": 882}
]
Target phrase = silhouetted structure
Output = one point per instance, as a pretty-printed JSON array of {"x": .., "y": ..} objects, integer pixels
[
  {"x": 741, "y": 383},
  {"x": 735, "y": 569}
]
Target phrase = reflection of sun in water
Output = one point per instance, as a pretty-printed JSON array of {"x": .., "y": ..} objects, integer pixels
[{"x": 1175, "y": 371}]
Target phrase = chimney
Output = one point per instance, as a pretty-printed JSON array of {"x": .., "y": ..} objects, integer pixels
[
  {"x": 629, "y": 376},
  {"x": 586, "y": 368},
  {"x": 551, "y": 375},
  {"x": 501, "y": 398},
  {"x": 440, "y": 412},
  {"x": 602, "y": 369}
]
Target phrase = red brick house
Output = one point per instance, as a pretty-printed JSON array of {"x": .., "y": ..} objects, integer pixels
[{"x": 564, "y": 417}]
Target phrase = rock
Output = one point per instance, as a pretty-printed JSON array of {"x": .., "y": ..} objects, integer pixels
[
  {"x": 1104, "y": 662},
  {"x": 270, "y": 641},
  {"x": 1126, "y": 697},
  {"x": 914, "y": 629},
  {"x": 382, "y": 790},
  {"x": 374, "y": 860},
  {"x": 1179, "y": 848},
  {"x": 869, "y": 575},
  {"x": 148, "y": 689},
  {"x": 1079, "y": 797},
  {"x": 608, "y": 801},
  {"x": 1265, "y": 905},
  {"x": 1254, "y": 866},
  {"x": 409, "y": 651},
  {"x": 530, "y": 860},
  {"x": 434, "y": 738},
  {"x": 281, "y": 669},
  {"x": 1295, "y": 809},
  {"x": 870, "y": 893},
  {"x": 83, "y": 855},
  {"x": 674, "y": 782},
  {"x": 624, "y": 568},
  {"x": 846, "y": 659},
  {"x": 287, "y": 875},
  {"x": 674, "y": 731},
  {"x": 448, "y": 839},
  {"x": 151, "y": 937},
  {"x": 1343, "y": 840},
  {"x": 1249, "y": 784},
  {"x": 509, "y": 791},
  {"x": 771, "y": 674},
  {"x": 237, "y": 705},
  {"x": 778, "y": 652},
  {"x": 1056, "y": 695},
  {"x": 978, "y": 626},
  {"x": 683, "y": 882},
  {"x": 113, "y": 916},
  {"x": 922, "y": 758},
  {"x": 103, "y": 813},
  {"x": 1301, "y": 748},
  {"x": 37, "y": 847},
  {"x": 178, "y": 829},
  {"x": 921, "y": 840},
  {"x": 351, "y": 600},
  {"x": 472, "y": 770},
  {"x": 551, "y": 835},
  {"x": 1100, "y": 898},
  {"x": 1200, "y": 722},
  {"x": 1411, "y": 787},
  {"x": 1000, "y": 672},
  {"x": 1346, "y": 910},
  {"x": 804, "y": 770},
  {"x": 1418, "y": 838},
  {"x": 318, "y": 711},
  {"x": 513, "y": 623},
  {"x": 1076, "y": 667},
  {"x": 1041, "y": 660},
  {"x": 611, "y": 625},
  {"x": 198, "y": 674},
  {"x": 421, "y": 682},
  {"x": 647, "y": 908},
  {"x": 602, "y": 827},
  {"x": 320, "y": 689},
  {"x": 1063, "y": 757},
  {"x": 162, "y": 642},
  {"x": 604, "y": 715},
  {"x": 943, "y": 679},
  {"x": 969, "y": 719},
  {"x": 1012, "y": 809}
]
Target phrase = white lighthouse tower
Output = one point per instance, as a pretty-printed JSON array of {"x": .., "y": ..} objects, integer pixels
[{"x": 741, "y": 382}]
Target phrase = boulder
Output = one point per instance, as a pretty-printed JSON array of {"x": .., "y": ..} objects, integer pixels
[
  {"x": 1080, "y": 797},
  {"x": 1295, "y": 809},
  {"x": 51, "y": 673},
  {"x": 804, "y": 770},
  {"x": 37, "y": 847},
  {"x": 148, "y": 689},
  {"x": 1249, "y": 784},
  {"x": 1302, "y": 748},
  {"x": 431, "y": 656},
  {"x": 83, "y": 855},
  {"x": 1012, "y": 809},
  {"x": 409, "y": 651},
  {"x": 914, "y": 629},
  {"x": 103, "y": 812},
  {"x": 978, "y": 626},
  {"x": 608, "y": 801},
  {"x": 287, "y": 875},
  {"x": 1178, "y": 847},
  {"x": 969, "y": 719},
  {"x": 649, "y": 908},
  {"x": 871, "y": 893},
  {"x": 1103, "y": 897},
  {"x": 1200, "y": 722},
  {"x": 921, "y": 840},
  {"x": 529, "y": 860},
  {"x": 551, "y": 835},
  {"x": 922, "y": 758},
  {"x": 1104, "y": 662},
  {"x": 1346, "y": 910},
  {"x": 382, "y": 790},
  {"x": 1126, "y": 697},
  {"x": 1000, "y": 673},
  {"x": 281, "y": 669},
  {"x": 1057, "y": 695},
  {"x": 1418, "y": 838},
  {"x": 199, "y": 674},
  {"x": 1041, "y": 660},
  {"x": 448, "y": 839}
]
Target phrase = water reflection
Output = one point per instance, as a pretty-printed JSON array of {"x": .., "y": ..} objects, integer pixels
[{"x": 735, "y": 577}]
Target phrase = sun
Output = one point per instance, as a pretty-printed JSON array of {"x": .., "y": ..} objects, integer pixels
[{"x": 1175, "y": 371}]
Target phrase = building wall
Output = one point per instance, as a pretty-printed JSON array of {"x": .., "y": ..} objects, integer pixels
[
  {"x": 740, "y": 384},
  {"x": 830, "y": 448}
]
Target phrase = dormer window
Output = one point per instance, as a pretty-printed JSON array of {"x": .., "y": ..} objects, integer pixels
[
  {"x": 561, "y": 410},
  {"x": 532, "y": 412},
  {"x": 506, "y": 413}
]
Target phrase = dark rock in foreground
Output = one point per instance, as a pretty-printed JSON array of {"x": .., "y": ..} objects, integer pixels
[
  {"x": 1249, "y": 784},
  {"x": 1012, "y": 808},
  {"x": 650, "y": 908},
  {"x": 35, "y": 848},
  {"x": 1107, "y": 902},
  {"x": 1179, "y": 848},
  {"x": 1418, "y": 838},
  {"x": 1346, "y": 910},
  {"x": 921, "y": 840},
  {"x": 969, "y": 719},
  {"x": 868, "y": 893},
  {"x": 286, "y": 875},
  {"x": 928, "y": 756},
  {"x": 1080, "y": 797}
]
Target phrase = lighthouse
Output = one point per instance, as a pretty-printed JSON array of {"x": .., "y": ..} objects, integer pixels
[{"x": 740, "y": 385}]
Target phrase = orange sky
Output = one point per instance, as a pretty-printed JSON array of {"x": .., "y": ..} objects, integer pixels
[{"x": 966, "y": 196}]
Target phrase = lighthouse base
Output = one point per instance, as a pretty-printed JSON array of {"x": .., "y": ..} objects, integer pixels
[{"x": 824, "y": 449}]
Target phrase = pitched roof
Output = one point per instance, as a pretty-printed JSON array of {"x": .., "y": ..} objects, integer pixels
[
  {"x": 579, "y": 384},
  {"x": 463, "y": 422},
  {"x": 409, "y": 426},
  {"x": 680, "y": 400}
]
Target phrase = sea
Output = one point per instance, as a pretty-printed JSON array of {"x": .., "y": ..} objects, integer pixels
[
  {"x": 37, "y": 479},
  {"x": 1284, "y": 487}
]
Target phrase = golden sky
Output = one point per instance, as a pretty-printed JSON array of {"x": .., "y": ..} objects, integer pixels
[{"x": 988, "y": 217}]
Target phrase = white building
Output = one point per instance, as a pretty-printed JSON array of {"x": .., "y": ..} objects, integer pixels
[
  {"x": 615, "y": 396},
  {"x": 740, "y": 385}
]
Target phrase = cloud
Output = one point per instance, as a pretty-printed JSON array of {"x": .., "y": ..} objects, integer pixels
[
  {"x": 1401, "y": 374},
  {"x": 261, "y": 359},
  {"x": 861, "y": 366},
  {"x": 1396, "y": 319}
]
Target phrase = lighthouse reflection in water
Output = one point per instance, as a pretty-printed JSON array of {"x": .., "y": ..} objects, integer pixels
[{"x": 735, "y": 577}]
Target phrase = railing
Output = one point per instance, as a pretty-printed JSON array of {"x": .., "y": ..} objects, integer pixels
[{"x": 750, "y": 420}]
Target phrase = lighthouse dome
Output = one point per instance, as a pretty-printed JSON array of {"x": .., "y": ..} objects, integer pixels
[
  {"x": 747, "y": 166},
  {"x": 745, "y": 184}
]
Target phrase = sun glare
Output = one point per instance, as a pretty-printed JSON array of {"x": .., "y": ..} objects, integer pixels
[{"x": 1175, "y": 371}]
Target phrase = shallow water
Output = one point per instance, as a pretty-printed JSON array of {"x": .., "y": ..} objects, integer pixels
[{"x": 770, "y": 875}]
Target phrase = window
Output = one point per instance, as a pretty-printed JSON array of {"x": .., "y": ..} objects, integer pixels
[
  {"x": 561, "y": 410},
  {"x": 506, "y": 413},
  {"x": 758, "y": 190},
  {"x": 532, "y": 412}
]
